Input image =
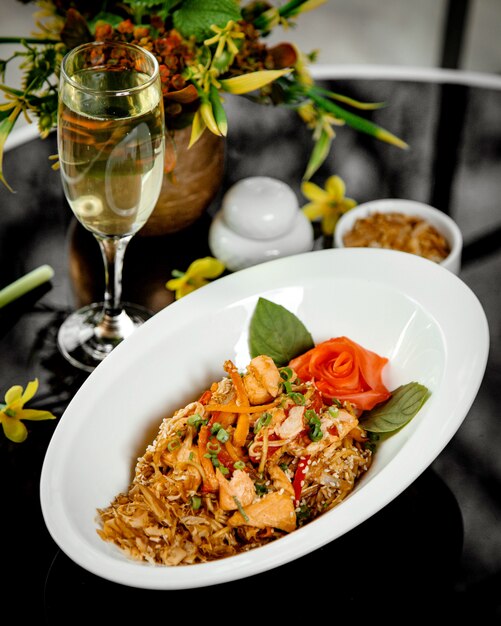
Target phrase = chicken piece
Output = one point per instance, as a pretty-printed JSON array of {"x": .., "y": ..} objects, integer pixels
[
  {"x": 333, "y": 429},
  {"x": 280, "y": 479},
  {"x": 184, "y": 469},
  {"x": 292, "y": 425},
  {"x": 240, "y": 486},
  {"x": 275, "y": 510},
  {"x": 262, "y": 381},
  {"x": 344, "y": 422}
]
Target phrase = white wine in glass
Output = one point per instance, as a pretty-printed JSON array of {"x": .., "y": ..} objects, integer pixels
[{"x": 111, "y": 152}]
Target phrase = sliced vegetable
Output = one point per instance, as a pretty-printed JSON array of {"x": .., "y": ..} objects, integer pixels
[
  {"x": 343, "y": 369},
  {"x": 299, "y": 476}
]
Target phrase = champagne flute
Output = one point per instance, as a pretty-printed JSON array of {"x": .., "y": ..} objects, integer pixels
[{"x": 111, "y": 154}]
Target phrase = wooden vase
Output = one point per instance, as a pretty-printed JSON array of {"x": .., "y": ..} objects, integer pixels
[{"x": 192, "y": 182}]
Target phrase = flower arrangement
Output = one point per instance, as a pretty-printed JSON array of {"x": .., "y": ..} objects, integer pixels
[{"x": 204, "y": 50}]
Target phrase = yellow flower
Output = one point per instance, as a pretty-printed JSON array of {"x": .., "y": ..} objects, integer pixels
[
  {"x": 13, "y": 411},
  {"x": 48, "y": 21},
  {"x": 225, "y": 37},
  {"x": 197, "y": 275},
  {"x": 326, "y": 204}
]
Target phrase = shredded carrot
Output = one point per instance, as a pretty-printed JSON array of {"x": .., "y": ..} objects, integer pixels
[
  {"x": 225, "y": 419},
  {"x": 242, "y": 430},
  {"x": 235, "y": 408},
  {"x": 205, "y": 397},
  {"x": 237, "y": 454},
  {"x": 237, "y": 381}
]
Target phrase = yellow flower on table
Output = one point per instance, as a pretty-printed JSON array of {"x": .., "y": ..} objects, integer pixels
[
  {"x": 13, "y": 411},
  {"x": 327, "y": 204},
  {"x": 198, "y": 274}
]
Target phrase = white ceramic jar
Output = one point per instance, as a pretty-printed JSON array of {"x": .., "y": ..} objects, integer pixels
[{"x": 259, "y": 220}]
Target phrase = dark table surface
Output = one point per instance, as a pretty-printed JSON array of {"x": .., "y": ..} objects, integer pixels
[{"x": 436, "y": 549}]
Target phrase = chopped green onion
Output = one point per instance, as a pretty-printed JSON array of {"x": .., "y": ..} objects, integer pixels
[
  {"x": 286, "y": 373},
  {"x": 222, "y": 435},
  {"x": 333, "y": 411},
  {"x": 287, "y": 386},
  {"x": 263, "y": 421},
  {"x": 196, "y": 502},
  {"x": 297, "y": 398},
  {"x": 224, "y": 470},
  {"x": 196, "y": 420},
  {"x": 303, "y": 514},
  {"x": 173, "y": 444},
  {"x": 239, "y": 465},
  {"x": 215, "y": 427},
  {"x": 261, "y": 489},
  {"x": 213, "y": 447},
  {"x": 241, "y": 508},
  {"x": 313, "y": 421}
]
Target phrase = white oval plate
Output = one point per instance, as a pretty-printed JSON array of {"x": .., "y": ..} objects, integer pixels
[{"x": 422, "y": 317}]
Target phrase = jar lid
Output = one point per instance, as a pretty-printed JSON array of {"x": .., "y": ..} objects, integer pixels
[{"x": 260, "y": 207}]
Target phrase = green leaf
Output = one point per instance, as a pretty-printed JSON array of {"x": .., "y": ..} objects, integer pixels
[
  {"x": 195, "y": 17},
  {"x": 403, "y": 405},
  {"x": 318, "y": 154},
  {"x": 355, "y": 121},
  {"x": 277, "y": 332},
  {"x": 357, "y": 104},
  {"x": 6, "y": 125}
]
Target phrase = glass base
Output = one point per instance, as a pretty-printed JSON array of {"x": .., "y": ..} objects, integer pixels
[{"x": 87, "y": 336}]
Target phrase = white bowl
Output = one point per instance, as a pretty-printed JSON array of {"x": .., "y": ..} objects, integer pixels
[
  {"x": 406, "y": 311},
  {"x": 444, "y": 224}
]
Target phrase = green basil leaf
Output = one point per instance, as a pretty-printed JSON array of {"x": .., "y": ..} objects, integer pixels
[
  {"x": 195, "y": 17},
  {"x": 398, "y": 410},
  {"x": 277, "y": 332}
]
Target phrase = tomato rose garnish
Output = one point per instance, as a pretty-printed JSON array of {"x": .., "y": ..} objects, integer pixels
[{"x": 342, "y": 369}]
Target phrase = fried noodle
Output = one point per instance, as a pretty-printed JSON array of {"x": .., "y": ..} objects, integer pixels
[{"x": 198, "y": 494}]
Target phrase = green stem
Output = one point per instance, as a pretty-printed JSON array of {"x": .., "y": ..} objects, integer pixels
[
  {"x": 356, "y": 122},
  {"x": 26, "y": 283},
  {"x": 289, "y": 8}
]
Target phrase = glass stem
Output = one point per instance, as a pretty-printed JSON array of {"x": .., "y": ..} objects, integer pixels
[{"x": 116, "y": 324}]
